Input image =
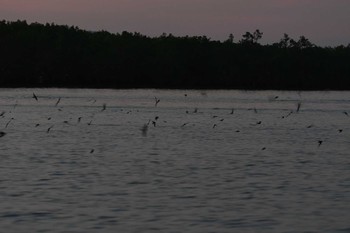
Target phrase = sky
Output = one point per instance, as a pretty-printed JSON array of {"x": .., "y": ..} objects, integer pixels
[{"x": 324, "y": 22}]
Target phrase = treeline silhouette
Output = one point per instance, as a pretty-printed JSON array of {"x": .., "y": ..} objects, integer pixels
[{"x": 37, "y": 55}]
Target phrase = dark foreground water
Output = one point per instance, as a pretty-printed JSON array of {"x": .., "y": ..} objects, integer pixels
[{"x": 76, "y": 167}]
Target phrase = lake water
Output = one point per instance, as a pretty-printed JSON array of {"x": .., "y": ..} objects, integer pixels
[{"x": 77, "y": 167}]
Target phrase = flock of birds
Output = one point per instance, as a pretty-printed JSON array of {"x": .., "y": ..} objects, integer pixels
[{"x": 145, "y": 127}]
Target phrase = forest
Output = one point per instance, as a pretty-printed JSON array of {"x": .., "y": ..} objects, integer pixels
[{"x": 49, "y": 55}]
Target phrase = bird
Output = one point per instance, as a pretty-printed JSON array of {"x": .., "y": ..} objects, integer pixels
[
  {"x": 258, "y": 123},
  {"x": 154, "y": 123},
  {"x": 214, "y": 126},
  {"x": 37, "y": 125},
  {"x": 195, "y": 110},
  {"x": 237, "y": 131},
  {"x": 48, "y": 130},
  {"x": 104, "y": 106},
  {"x": 264, "y": 148},
  {"x": 2, "y": 134},
  {"x": 89, "y": 122},
  {"x": 222, "y": 119},
  {"x": 156, "y": 118},
  {"x": 92, "y": 151},
  {"x": 58, "y": 101},
  {"x": 346, "y": 113},
  {"x": 340, "y": 130},
  {"x": 35, "y": 97},
  {"x": 2, "y": 114},
  {"x": 298, "y": 106},
  {"x": 49, "y": 118},
  {"x": 79, "y": 119},
  {"x": 184, "y": 124},
  {"x": 320, "y": 143},
  {"x": 232, "y": 111},
  {"x": 156, "y": 101}
]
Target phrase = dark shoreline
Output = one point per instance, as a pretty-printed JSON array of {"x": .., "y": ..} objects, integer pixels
[{"x": 53, "y": 56}]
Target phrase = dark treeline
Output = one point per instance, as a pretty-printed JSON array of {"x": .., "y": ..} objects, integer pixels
[{"x": 36, "y": 55}]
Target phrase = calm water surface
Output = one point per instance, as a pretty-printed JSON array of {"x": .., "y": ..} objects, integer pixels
[{"x": 75, "y": 167}]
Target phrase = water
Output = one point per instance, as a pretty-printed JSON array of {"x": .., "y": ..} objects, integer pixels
[{"x": 101, "y": 174}]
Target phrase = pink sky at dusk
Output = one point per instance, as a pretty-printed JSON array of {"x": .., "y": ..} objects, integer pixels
[{"x": 324, "y": 22}]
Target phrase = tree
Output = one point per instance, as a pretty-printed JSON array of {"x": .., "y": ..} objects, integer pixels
[
  {"x": 230, "y": 39},
  {"x": 251, "y": 38}
]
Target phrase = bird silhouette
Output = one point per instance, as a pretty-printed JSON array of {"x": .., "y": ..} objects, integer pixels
[
  {"x": 104, "y": 106},
  {"x": 320, "y": 143},
  {"x": 58, "y": 101},
  {"x": 2, "y": 134},
  {"x": 35, "y": 97},
  {"x": 232, "y": 111},
  {"x": 48, "y": 130},
  {"x": 298, "y": 106},
  {"x": 156, "y": 101},
  {"x": 184, "y": 124}
]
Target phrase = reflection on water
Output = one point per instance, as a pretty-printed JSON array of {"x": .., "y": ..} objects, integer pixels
[{"x": 210, "y": 161}]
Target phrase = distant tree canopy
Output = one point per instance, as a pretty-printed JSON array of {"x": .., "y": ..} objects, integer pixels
[{"x": 36, "y": 55}]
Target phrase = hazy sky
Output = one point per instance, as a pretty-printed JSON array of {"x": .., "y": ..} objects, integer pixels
[{"x": 324, "y": 22}]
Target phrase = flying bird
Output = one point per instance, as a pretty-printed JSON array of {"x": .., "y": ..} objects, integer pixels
[
  {"x": 58, "y": 101},
  {"x": 298, "y": 106},
  {"x": 2, "y": 134},
  {"x": 184, "y": 124},
  {"x": 104, "y": 106},
  {"x": 35, "y": 97},
  {"x": 320, "y": 143},
  {"x": 156, "y": 101},
  {"x": 48, "y": 130}
]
